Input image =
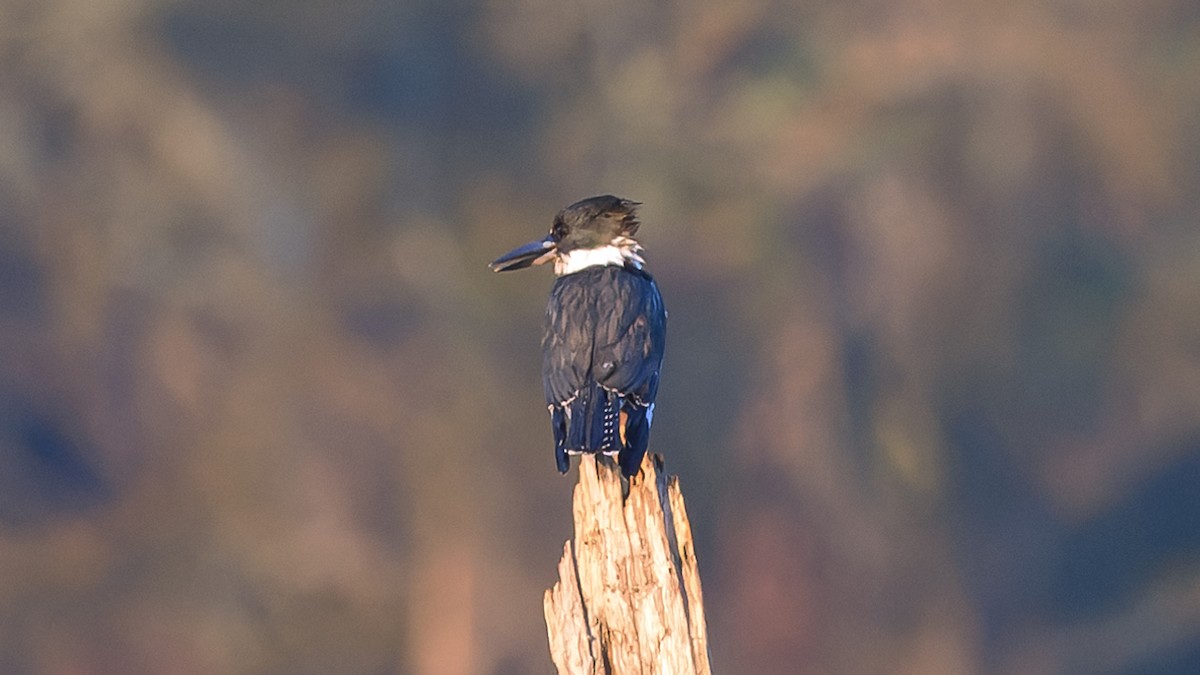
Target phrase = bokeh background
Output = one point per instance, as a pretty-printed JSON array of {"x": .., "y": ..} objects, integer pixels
[{"x": 933, "y": 374}]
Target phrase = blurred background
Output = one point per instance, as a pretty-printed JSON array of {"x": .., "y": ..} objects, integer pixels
[{"x": 933, "y": 376}]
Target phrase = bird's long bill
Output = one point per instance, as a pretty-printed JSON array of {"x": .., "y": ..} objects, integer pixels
[{"x": 533, "y": 253}]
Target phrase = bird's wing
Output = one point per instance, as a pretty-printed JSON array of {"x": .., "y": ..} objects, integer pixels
[
  {"x": 568, "y": 338},
  {"x": 629, "y": 337},
  {"x": 616, "y": 318}
]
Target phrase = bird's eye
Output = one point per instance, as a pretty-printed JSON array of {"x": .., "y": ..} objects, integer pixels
[{"x": 559, "y": 230}]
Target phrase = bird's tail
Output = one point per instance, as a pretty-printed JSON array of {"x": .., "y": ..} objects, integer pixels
[
  {"x": 594, "y": 417},
  {"x": 598, "y": 420}
]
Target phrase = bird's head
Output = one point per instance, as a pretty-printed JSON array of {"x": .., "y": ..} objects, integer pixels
[{"x": 594, "y": 231}]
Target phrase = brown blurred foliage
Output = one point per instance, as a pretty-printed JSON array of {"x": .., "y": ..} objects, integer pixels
[{"x": 933, "y": 380}]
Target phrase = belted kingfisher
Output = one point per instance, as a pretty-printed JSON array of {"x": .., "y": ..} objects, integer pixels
[{"x": 604, "y": 334}]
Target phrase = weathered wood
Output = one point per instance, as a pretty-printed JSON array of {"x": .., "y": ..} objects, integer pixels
[{"x": 628, "y": 598}]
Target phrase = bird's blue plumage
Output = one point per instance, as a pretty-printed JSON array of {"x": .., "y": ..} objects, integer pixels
[{"x": 603, "y": 347}]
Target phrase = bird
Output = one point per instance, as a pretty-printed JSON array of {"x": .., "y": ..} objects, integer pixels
[{"x": 604, "y": 333}]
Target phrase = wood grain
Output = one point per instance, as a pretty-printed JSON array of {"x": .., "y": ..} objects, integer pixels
[{"x": 628, "y": 598}]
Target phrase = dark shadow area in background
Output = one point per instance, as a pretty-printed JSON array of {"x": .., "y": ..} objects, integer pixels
[
  {"x": 413, "y": 66},
  {"x": 1109, "y": 559},
  {"x": 1182, "y": 660},
  {"x": 44, "y": 470}
]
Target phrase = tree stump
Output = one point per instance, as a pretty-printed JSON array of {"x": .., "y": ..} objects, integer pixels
[{"x": 628, "y": 597}]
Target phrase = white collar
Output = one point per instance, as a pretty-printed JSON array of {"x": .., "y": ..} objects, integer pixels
[{"x": 621, "y": 252}]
